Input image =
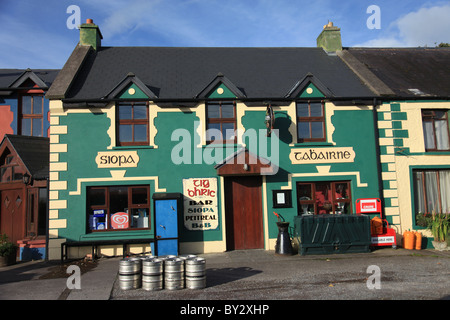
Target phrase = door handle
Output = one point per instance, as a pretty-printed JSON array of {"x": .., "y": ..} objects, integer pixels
[{"x": 163, "y": 227}]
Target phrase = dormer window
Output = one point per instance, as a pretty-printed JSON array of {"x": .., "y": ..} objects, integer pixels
[
  {"x": 132, "y": 124},
  {"x": 221, "y": 122},
  {"x": 310, "y": 122}
]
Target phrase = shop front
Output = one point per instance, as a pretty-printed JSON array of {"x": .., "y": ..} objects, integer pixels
[{"x": 235, "y": 145}]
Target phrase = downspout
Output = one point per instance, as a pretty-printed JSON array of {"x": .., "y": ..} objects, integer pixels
[
  {"x": 46, "y": 221},
  {"x": 377, "y": 153}
]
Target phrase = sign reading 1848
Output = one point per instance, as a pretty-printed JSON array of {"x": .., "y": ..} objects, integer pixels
[
  {"x": 322, "y": 155},
  {"x": 200, "y": 203}
]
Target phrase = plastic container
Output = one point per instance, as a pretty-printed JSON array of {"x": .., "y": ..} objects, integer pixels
[{"x": 408, "y": 240}]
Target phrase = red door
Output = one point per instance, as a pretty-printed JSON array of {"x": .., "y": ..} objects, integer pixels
[
  {"x": 12, "y": 222},
  {"x": 243, "y": 213}
]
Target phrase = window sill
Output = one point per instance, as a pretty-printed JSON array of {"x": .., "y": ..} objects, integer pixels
[
  {"x": 132, "y": 147},
  {"x": 312, "y": 144},
  {"x": 222, "y": 145}
]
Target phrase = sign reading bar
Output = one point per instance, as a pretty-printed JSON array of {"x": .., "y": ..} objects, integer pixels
[
  {"x": 117, "y": 159},
  {"x": 322, "y": 155},
  {"x": 200, "y": 203}
]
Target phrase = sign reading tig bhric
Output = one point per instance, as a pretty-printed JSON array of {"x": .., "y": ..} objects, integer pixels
[
  {"x": 117, "y": 159},
  {"x": 322, "y": 155},
  {"x": 200, "y": 203}
]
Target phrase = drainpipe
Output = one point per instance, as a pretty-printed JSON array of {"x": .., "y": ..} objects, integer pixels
[
  {"x": 377, "y": 152},
  {"x": 46, "y": 221}
]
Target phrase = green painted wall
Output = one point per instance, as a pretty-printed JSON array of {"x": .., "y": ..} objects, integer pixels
[{"x": 87, "y": 135}]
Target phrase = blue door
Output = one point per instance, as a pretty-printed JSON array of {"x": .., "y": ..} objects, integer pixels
[{"x": 166, "y": 223}]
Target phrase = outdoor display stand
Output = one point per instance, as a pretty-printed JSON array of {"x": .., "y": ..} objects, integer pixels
[{"x": 381, "y": 234}]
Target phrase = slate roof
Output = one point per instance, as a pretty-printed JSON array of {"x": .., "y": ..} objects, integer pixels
[
  {"x": 9, "y": 76},
  {"x": 423, "y": 70},
  {"x": 174, "y": 73},
  {"x": 34, "y": 153}
]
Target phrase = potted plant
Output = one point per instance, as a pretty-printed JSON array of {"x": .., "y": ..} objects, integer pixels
[
  {"x": 8, "y": 251},
  {"x": 439, "y": 226}
]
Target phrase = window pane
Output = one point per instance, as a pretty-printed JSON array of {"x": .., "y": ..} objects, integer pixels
[
  {"x": 303, "y": 130},
  {"x": 428, "y": 135},
  {"x": 97, "y": 197},
  {"x": 444, "y": 183},
  {"x": 37, "y": 127},
  {"x": 420, "y": 193},
  {"x": 227, "y": 111},
  {"x": 316, "y": 130},
  {"x": 213, "y": 111},
  {"x": 26, "y": 127},
  {"x": 139, "y": 195},
  {"x": 26, "y": 105},
  {"x": 140, "y": 132},
  {"x": 431, "y": 189},
  {"x": 125, "y": 133},
  {"x": 37, "y": 105},
  {"x": 140, "y": 111},
  {"x": 302, "y": 110},
  {"x": 213, "y": 132},
  {"x": 118, "y": 199},
  {"x": 439, "y": 114},
  {"x": 441, "y": 134},
  {"x": 304, "y": 192},
  {"x": 341, "y": 190},
  {"x": 228, "y": 131},
  {"x": 125, "y": 112},
  {"x": 316, "y": 109}
]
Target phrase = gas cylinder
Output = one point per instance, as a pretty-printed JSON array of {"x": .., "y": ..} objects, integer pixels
[
  {"x": 376, "y": 226},
  {"x": 408, "y": 240},
  {"x": 418, "y": 240}
]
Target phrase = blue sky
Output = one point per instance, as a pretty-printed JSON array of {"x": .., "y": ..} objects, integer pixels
[{"x": 34, "y": 33}]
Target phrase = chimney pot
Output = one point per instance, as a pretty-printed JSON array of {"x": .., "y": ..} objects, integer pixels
[{"x": 89, "y": 21}]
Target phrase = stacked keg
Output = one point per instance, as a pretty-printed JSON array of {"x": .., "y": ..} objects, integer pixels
[
  {"x": 195, "y": 273},
  {"x": 130, "y": 273},
  {"x": 174, "y": 274},
  {"x": 152, "y": 274},
  {"x": 169, "y": 272}
]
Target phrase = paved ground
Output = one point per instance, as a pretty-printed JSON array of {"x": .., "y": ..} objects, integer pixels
[
  {"x": 262, "y": 275},
  {"x": 255, "y": 277}
]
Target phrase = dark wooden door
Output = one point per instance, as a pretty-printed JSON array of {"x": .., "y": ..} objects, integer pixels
[
  {"x": 12, "y": 222},
  {"x": 243, "y": 213}
]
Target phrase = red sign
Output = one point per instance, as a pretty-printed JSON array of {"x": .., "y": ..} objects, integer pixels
[
  {"x": 371, "y": 205},
  {"x": 119, "y": 220}
]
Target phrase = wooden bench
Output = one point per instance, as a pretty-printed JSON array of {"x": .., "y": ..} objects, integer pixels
[{"x": 94, "y": 244}]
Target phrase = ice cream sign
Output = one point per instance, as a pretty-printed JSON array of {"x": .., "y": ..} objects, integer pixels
[
  {"x": 119, "y": 220},
  {"x": 200, "y": 203}
]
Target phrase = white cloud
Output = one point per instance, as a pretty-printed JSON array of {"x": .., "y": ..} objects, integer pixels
[{"x": 424, "y": 27}]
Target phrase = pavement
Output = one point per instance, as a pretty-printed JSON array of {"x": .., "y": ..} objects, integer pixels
[{"x": 257, "y": 275}]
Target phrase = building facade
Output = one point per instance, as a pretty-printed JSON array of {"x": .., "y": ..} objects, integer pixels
[
  {"x": 413, "y": 129},
  {"x": 24, "y": 152},
  {"x": 237, "y": 133}
]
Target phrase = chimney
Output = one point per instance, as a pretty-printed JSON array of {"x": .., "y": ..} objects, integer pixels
[
  {"x": 90, "y": 34},
  {"x": 330, "y": 38}
]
